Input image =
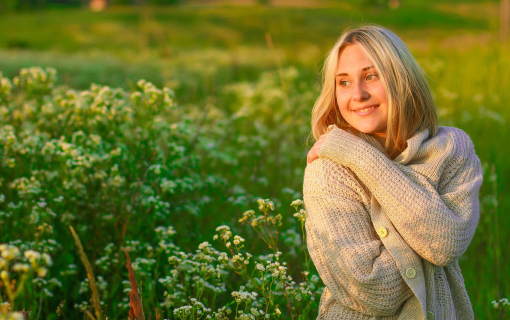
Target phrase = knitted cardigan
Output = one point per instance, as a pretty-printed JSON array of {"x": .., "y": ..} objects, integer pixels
[{"x": 386, "y": 235}]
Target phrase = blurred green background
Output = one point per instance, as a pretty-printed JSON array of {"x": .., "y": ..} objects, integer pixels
[{"x": 206, "y": 50}]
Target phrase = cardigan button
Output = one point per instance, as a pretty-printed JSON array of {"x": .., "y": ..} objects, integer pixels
[
  {"x": 430, "y": 315},
  {"x": 382, "y": 232},
  {"x": 410, "y": 273},
  {"x": 330, "y": 127}
]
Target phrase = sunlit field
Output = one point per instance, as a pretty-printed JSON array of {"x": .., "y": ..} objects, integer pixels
[{"x": 195, "y": 170}]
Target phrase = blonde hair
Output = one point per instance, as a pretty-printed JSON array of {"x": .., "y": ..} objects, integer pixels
[{"x": 410, "y": 105}]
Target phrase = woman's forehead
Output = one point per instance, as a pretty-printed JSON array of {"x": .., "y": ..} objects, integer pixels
[{"x": 353, "y": 57}]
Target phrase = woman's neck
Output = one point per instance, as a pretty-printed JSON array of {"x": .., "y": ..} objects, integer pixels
[{"x": 381, "y": 138}]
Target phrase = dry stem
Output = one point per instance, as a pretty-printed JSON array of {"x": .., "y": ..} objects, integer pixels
[{"x": 90, "y": 274}]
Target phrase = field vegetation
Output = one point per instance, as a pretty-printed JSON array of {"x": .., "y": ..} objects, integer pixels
[{"x": 195, "y": 171}]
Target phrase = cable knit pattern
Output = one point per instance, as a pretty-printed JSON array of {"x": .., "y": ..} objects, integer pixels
[{"x": 425, "y": 202}]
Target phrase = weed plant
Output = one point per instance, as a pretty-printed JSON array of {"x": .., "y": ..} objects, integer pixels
[{"x": 118, "y": 166}]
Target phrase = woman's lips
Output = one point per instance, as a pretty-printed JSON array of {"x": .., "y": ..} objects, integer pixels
[{"x": 365, "y": 111}]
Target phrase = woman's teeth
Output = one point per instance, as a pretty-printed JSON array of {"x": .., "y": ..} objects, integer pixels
[{"x": 367, "y": 109}]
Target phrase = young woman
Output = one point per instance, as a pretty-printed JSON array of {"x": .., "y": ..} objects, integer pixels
[{"x": 391, "y": 198}]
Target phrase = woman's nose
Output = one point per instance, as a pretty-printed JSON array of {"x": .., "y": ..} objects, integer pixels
[{"x": 359, "y": 93}]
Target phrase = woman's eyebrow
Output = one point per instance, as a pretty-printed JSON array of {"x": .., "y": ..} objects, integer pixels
[{"x": 364, "y": 69}]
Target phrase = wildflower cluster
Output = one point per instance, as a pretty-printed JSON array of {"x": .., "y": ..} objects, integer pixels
[
  {"x": 196, "y": 310},
  {"x": 7, "y": 314},
  {"x": 17, "y": 267},
  {"x": 502, "y": 305},
  {"x": 268, "y": 278},
  {"x": 36, "y": 81},
  {"x": 5, "y": 87},
  {"x": 195, "y": 275},
  {"x": 266, "y": 225},
  {"x": 103, "y": 160},
  {"x": 300, "y": 212},
  {"x": 117, "y": 165}
]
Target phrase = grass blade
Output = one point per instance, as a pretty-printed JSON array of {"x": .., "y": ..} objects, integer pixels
[
  {"x": 90, "y": 274},
  {"x": 135, "y": 306}
]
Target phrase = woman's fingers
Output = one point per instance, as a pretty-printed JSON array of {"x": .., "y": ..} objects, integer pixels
[
  {"x": 314, "y": 152},
  {"x": 312, "y": 155}
]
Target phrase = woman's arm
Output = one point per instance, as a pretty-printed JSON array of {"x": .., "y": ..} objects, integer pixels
[
  {"x": 438, "y": 225},
  {"x": 353, "y": 263}
]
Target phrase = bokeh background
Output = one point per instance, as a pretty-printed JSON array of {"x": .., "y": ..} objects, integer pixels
[{"x": 245, "y": 75}]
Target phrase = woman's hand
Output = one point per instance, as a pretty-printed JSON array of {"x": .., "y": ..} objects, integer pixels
[{"x": 314, "y": 152}]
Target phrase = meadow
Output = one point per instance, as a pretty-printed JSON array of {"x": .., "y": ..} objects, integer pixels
[{"x": 170, "y": 168}]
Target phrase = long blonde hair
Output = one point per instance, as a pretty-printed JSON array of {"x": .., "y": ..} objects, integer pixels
[{"x": 410, "y": 105}]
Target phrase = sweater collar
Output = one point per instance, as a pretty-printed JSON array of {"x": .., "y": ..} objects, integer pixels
[{"x": 413, "y": 145}]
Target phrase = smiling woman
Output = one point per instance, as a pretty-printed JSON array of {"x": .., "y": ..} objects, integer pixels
[
  {"x": 360, "y": 94},
  {"x": 407, "y": 98},
  {"x": 391, "y": 198}
]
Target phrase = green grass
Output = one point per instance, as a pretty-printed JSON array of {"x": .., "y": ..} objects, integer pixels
[{"x": 119, "y": 29}]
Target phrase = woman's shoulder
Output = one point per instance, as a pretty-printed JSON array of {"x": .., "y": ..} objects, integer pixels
[
  {"x": 461, "y": 143},
  {"x": 450, "y": 151},
  {"x": 461, "y": 159}
]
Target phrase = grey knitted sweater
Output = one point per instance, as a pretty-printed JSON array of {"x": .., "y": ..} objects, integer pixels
[{"x": 386, "y": 235}]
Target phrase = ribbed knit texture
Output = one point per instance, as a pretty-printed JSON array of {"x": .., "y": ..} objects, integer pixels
[{"x": 426, "y": 200}]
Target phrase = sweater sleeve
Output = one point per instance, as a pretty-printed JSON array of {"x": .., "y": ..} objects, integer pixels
[
  {"x": 353, "y": 263},
  {"x": 437, "y": 224}
]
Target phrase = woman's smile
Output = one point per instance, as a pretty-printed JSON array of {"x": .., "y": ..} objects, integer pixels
[{"x": 363, "y": 111}]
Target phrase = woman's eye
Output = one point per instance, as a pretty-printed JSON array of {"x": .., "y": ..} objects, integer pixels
[
  {"x": 343, "y": 83},
  {"x": 372, "y": 76}
]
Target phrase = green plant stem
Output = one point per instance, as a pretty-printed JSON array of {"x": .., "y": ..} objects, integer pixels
[
  {"x": 288, "y": 300},
  {"x": 261, "y": 236},
  {"x": 272, "y": 244},
  {"x": 256, "y": 285},
  {"x": 20, "y": 288},
  {"x": 156, "y": 276},
  {"x": 304, "y": 246},
  {"x": 183, "y": 285},
  {"x": 7, "y": 285},
  {"x": 89, "y": 315},
  {"x": 40, "y": 305},
  {"x": 496, "y": 230}
]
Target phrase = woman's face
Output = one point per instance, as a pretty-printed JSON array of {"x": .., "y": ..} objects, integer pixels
[{"x": 360, "y": 93}]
